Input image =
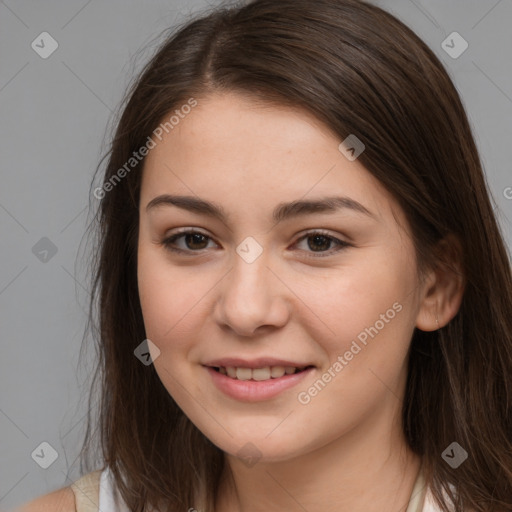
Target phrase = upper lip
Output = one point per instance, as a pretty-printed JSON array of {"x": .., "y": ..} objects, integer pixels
[{"x": 260, "y": 362}]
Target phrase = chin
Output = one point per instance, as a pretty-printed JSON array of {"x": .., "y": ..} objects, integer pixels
[{"x": 254, "y": 447}]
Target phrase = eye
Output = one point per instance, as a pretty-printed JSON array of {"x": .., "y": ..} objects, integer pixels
[
  {"x": 194, "y": 241},
  {"x": 318, "y": 241}
]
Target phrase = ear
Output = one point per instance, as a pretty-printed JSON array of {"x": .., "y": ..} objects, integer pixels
[{"x": 443, "y": 287}]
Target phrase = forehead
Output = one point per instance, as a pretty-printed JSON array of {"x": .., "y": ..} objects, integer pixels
[{"x": 234, "y": 149}]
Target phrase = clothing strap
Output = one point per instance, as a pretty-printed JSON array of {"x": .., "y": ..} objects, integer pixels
[
  {"x": 418, "y": 494},
  {"x": 87, "y": 492}
]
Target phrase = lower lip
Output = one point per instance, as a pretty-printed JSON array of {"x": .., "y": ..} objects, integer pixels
[{"x": 254, "y": 390}]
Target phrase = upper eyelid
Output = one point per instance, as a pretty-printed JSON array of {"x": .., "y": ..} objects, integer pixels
[{"x": 311, "y": 232}]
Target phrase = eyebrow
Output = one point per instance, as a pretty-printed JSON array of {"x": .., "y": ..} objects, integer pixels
[{"x": 281, "y": 212}]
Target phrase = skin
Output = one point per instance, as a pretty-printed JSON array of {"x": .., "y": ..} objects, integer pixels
[
  {"x": 62, "y": 500},
  {"x": 344, "y": 450}
]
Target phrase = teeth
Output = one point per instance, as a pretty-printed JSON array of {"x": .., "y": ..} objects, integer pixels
[
  {"x": 243, "y": 373},
  {"x": 277, "y": 371},
  {"x": 258, "y": 374},
  {"x": 261, "y": 373}
]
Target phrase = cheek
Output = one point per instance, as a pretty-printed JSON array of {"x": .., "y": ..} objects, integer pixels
[
  {"x": 350, "y": 302},
  {"x": 365, "y": 356},
  {"x": 167, "y": 298}
]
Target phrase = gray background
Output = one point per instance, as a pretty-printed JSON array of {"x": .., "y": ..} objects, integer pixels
[{"x": 55, "y": 114}]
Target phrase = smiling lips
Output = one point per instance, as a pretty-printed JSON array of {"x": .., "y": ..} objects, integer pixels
[
  {"x": 259, "y": 369},
  {"x": 256, "y": 380},
  {"x": 258, "y": 374}
]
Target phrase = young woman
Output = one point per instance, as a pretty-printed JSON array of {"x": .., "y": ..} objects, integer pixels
[{"x": 304, "y": 295}]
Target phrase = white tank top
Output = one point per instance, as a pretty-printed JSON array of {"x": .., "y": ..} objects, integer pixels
[
  {"x": 107, "y": 496},
  {"x": 107, "y": 493}
]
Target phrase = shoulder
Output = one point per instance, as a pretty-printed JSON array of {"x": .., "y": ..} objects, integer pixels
[{"x": 62, "y": 500}]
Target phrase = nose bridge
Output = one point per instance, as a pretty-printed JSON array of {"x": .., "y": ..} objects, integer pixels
[
  {"x": 251, "y": 295},
  {"x": 249, "y": 277},
  {"x": 250, "y": 263}
]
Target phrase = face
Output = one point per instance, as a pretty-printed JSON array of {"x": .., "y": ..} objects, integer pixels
[{"x": 332, "y": 290}]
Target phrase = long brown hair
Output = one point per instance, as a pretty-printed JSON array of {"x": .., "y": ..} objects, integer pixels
[{"x": 360, "y": 71}]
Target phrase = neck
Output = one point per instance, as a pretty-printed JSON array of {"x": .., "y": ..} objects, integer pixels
[{"x": 367, "y": 469}]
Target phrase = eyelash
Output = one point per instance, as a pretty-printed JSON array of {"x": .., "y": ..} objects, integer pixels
[{"x": 167, "y": 243}]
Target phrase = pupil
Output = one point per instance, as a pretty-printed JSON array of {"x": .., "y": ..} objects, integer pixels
[
  {"x": 316, "y": 238},
  {"x": 196, "y": 238}
]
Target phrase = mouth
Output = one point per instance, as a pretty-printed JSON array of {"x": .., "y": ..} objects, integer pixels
[
  {"x": 256, "y": 383},
  {"x": 259, "y": 374}
]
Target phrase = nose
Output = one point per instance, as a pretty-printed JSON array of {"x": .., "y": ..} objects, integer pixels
[{"x": 252, "y": 299}]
